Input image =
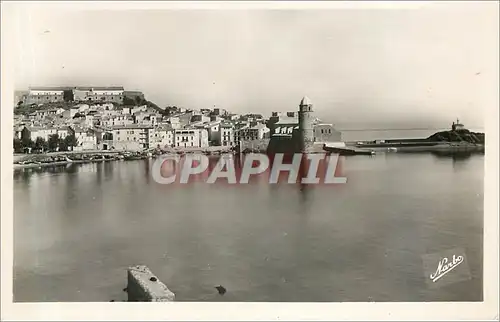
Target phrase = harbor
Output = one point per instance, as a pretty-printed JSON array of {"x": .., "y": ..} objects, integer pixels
[{"x": 272, "y": 160}]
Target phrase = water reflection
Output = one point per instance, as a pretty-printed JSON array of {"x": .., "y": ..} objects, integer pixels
[
  {"x": 147, "y": 170},
  {"x": 305, "y": 195},
  {"x": 459, "y": 155},
  {"x": 458, "y": 158}
]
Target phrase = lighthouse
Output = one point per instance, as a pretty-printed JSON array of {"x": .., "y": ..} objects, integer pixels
[{"x": 306, "y": 129}]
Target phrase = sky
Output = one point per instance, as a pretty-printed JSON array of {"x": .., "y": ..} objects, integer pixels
[{"x": 372, "y": 67}]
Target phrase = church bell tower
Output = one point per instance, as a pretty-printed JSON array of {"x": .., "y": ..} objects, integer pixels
[{"x": 306, "y": 123}]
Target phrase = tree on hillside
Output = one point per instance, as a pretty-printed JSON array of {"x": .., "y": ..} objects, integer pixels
[
  {"x": 62, "y": 145},
  {"x": 127, "y": 101},
  {"x": 40, "y": 144},
  {"x": 53, "y": 142},
  {"x": 70, "y": 141},
  {"x": 27, "y": 142},
  {"x": 18, "y": 145},
  {"x": 151, "y": 104}
]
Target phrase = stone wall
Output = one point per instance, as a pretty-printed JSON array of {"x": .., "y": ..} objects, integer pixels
[{"x": 144, "y": 286}]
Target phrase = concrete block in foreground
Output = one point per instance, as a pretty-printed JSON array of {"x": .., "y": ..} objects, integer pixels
[{"x": 144, "y": 286}]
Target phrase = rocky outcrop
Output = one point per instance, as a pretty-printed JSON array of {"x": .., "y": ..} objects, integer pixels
[{"x": 458, "y": 136}]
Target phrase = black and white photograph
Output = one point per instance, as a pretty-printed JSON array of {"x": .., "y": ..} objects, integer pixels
[{"x": 224, "y": 154}]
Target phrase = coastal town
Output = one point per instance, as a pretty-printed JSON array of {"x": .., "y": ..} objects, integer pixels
[
  {"x": 111, "y": 123},
  {"x": 90, "y": 119}
]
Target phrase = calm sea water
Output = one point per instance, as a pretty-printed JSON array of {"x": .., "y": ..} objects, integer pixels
[{"x": 77, "y": 229}]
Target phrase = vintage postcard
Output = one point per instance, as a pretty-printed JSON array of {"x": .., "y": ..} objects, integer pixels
[{"x": 250, "y": 160}]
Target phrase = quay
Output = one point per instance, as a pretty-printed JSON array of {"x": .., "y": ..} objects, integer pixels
[{"x": 417, "y": 146}]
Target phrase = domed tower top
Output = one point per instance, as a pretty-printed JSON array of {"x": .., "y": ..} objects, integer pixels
[
  {"x": 305, "y": 101},
  {"x": 305, "y": 105}
]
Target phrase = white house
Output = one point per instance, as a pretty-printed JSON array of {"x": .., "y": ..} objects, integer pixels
[
  {"x": 257, "y": 132},
  {"x": 147, "y": 118},
  {"x": 63, "y": 132},
  {"x": 116, "y": 120},
  {"x": 232, "y": 117},
  {"x": 326, "y": 133},
  {"x": 187, "y": 138},
  {"x": 68, "y": 114},
  {"x": 50, "y": 112},
  {"x": 34, "y": 132},
  {"x": 174, "y": 122},
  {"x": 226, "y": 134},
  {"x": 162, "y": 136},
  {"x": 58, "y": 111},
  {"x": 82, "y": 107},
  {"x": 131, "y": 136},
  {"x": 86, "y": 140},
  {"x": 107, "y": 112},
  {"x": 137, "y": 109}
]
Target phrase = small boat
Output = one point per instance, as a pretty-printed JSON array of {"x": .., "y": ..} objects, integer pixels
[{"x": 68, "y": 159}]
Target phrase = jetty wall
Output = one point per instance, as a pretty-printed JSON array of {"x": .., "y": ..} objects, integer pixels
[{"x": 144, "y": 286}]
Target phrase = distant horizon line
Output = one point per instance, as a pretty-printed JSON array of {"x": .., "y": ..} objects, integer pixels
[{"x": 399, "y": 129}]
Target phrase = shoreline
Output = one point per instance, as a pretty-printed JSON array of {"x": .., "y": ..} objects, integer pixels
[
  {"x": 120, "y": 157},
  {"x": 30, "y": 161},
  {"x": 57, "y": 163}
]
